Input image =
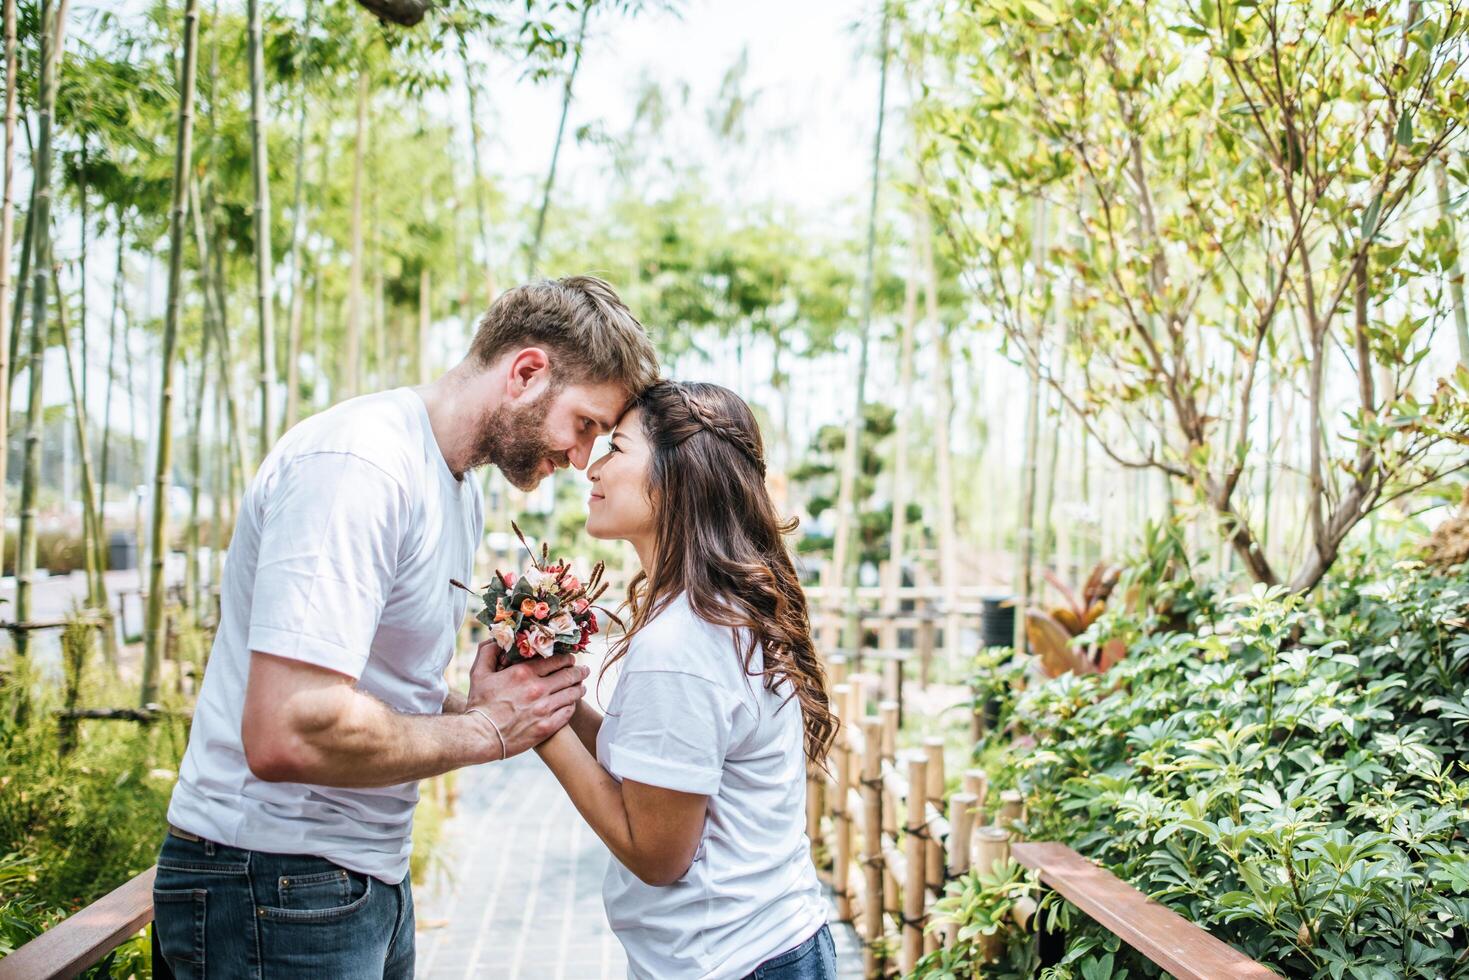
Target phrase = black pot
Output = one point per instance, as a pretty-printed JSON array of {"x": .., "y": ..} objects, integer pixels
[{"x": 997, "y": 621}]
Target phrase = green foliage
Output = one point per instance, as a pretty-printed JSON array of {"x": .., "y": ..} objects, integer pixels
[
  {"x": 1289, "y": 774},
  {"x": 74, "y": 827},
  {"x": 1219, "y": 202},
  {"x": 817, "y": 477}
]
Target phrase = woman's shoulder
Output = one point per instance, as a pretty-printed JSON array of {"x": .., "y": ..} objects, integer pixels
[{"x": 677, "y": 639}]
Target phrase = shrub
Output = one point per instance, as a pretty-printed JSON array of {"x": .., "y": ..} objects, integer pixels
[
  {"x": 1292, "y": 774},
  {"x": 75, "y": 826}
]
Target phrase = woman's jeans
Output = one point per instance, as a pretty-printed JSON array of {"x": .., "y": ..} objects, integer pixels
[
  {"x": 815, "y": 959},
  {"x": 227, "y": 912}
]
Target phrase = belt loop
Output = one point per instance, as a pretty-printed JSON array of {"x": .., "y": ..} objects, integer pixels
[{"x": 209, "y": 848}]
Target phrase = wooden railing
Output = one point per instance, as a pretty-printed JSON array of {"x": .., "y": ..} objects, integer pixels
[
  {"x": 894, "y": 841},
  {"x": 80, "y": 941}
]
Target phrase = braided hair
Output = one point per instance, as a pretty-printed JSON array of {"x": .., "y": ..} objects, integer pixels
[{"x": 720, "y": 542}]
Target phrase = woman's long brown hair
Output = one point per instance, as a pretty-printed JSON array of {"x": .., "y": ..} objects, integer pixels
[{"x": 720, "y": 542}]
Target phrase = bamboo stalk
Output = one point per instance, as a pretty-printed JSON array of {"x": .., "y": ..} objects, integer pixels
[
  {"x": 841, "y": 819},
  {"x": 961, "y": 831},
  {"x": 933, "y": 750},
  {"x": 53, "y": 31},
  {"x": 153, "y": 631},
  {"x": 992, "y": 852},
  {"x": 7, "y": 240},
  {"x": 1012, "y": 808},
  {"x": 260, "y": 170},
  {"x": 872, "y": 952},
  {"x": 977, "y": 784},
  {"x": 892, "y": 794},
  {"x": 915, "y": 847}
]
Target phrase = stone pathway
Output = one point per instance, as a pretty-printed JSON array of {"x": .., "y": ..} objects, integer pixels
[{"x": 516, "y": 890}]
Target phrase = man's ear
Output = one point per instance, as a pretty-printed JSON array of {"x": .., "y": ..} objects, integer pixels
[{"x": 529, "y": 369}]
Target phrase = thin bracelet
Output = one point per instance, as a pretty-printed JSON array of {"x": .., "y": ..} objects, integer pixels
[{"x": 504, "y": 752}]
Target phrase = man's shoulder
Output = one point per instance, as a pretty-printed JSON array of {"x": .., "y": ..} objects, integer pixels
[{"x": 380, "y": 429}]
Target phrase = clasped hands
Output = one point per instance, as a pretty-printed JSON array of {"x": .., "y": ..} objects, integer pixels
[{"x": 528, "y": 702}]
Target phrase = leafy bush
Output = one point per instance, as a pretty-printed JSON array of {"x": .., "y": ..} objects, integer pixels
[
  {"x": 1291, "y": 774},
  {"x": 75, "y": 826}
]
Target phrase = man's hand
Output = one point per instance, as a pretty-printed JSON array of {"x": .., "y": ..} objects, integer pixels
[{"x": 530, "y": 701}]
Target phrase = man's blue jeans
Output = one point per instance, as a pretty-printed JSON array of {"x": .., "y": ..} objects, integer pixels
[
  {"x": 227, "y": 912},
  {"x": 815, "y": 959}
]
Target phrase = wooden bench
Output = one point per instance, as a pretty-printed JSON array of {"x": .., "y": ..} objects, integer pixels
[
  {"x": 1154, "y": 930},
  {"x": 74, "y": 944}
]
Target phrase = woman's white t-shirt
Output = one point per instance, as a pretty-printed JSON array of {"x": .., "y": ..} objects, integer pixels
[{"x": 686, "y": 717}]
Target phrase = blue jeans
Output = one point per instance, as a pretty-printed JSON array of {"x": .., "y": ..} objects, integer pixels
[
  {"x": 227, "y": 912},
  {"x": 815, "y": 959}
]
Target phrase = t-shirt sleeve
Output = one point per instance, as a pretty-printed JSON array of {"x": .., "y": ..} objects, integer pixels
[
  {"x": 673, "y": 730},
  {"x": 327, "y": 559}
]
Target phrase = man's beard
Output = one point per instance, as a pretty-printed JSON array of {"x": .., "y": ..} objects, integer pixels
[{"x": 513, "y": 438}]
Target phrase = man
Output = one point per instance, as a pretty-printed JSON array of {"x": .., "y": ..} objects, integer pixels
[{"x": 324, "y": 701}]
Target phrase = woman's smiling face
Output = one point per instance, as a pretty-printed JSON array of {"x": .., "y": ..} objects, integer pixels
[{"x": 619, "y": 507}]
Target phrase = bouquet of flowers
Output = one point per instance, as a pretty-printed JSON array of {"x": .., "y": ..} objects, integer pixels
[{"x": 543, "y": 611}]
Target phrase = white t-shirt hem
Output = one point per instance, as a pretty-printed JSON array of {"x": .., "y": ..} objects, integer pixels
[
  {"x": 314, "y": 650},
  {"x": 625, "y": 763}
]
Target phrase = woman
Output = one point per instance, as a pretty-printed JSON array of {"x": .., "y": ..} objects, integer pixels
[{"x": 696, "y": 777}]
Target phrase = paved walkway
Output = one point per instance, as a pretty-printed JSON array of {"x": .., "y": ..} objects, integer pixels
[{"x": 516, "y": 892}]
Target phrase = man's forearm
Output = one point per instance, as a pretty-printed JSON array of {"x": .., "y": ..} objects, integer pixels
[{"x": 368, "y": 744}]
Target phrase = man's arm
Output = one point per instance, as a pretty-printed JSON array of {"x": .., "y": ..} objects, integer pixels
[{"x": 307, "y": 724}]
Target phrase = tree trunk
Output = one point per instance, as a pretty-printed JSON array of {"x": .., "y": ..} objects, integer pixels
[
  {"x": 897, "y": 532},
  {"x": 158, "y": 535},
  {"x": 27, "y": 243},
  {"x": 92, "y": 526},
  {"x": 352, "y": 354},
  {"x": 534, "y": 253},
  {"x": 117, "y": 278},
  {"x": 943, "y": 425},
  {"x": 851, "y": 446},
  {"x": 1456, "y": 270},
  {"x": 53, "y": 31},
  {"x": 82, "y": 270},
  {"x": 1029, "y": 466},
  {"x": 7, "y": 236},
  {"x": 264, "y": 300},
  {"x": 196, "y": 478},
  {"x": 215, "y": 317},
  {"x": 298, "y": 246},
  {"x": 479, "y": 182}
]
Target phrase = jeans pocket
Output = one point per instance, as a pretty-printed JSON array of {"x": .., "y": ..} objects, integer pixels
[
  {"x": 178, "y": 921},
  {"x": 324, "y": 897},
  {"x": 314, "y": 892}
]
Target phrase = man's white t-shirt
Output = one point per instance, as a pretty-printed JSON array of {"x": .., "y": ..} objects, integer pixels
[
  {"x": 346, "y": 540},
  {"x": 686, "y": 717}
]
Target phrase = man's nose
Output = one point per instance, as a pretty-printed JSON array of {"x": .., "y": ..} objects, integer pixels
[{"x": 579, "y": 455}]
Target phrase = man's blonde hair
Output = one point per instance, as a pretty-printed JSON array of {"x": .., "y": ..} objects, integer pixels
[{"x": 581, "y": 322}]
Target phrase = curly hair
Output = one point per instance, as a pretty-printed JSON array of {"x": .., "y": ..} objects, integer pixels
[{"x": 720, "y": 542}]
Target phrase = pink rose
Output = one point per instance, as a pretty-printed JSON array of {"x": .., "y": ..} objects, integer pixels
[
  {"x": 542, "y": 610},
  {"x": 504, "y": 635},
  {"x": 508, "y": 578},
  {"x": 580, "y": 605},
  {"x": 542, "y": 644},
  {"x": 570, "y": 583}
]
